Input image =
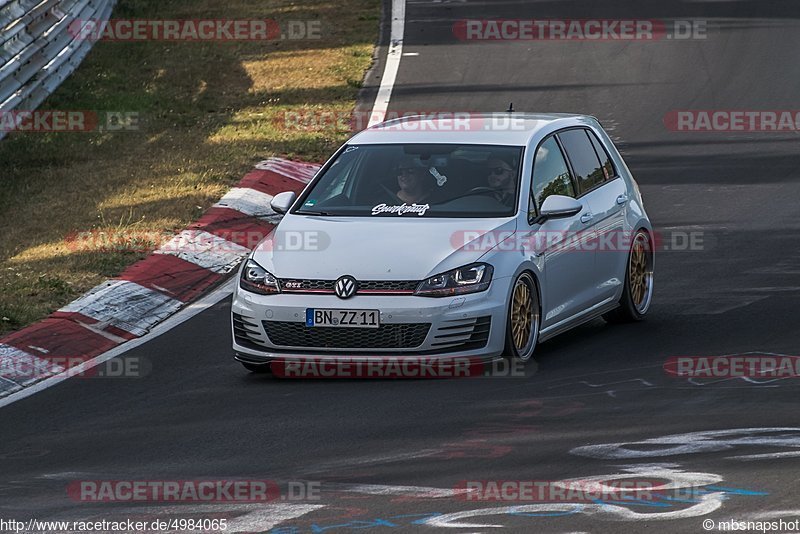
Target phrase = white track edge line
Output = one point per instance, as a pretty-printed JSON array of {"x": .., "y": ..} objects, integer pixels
[
  {"x": 168, "y": 324},
  {"x": 393, "y": 55}
]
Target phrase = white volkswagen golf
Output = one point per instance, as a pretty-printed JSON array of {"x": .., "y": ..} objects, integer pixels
[{"x": 478, "y": 241}]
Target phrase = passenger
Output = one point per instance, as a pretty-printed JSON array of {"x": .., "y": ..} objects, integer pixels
[{"x": 502, "y": 178}]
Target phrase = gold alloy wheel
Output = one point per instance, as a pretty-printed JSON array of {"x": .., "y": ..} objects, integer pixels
[
  {"x": 521, "y": 315},
  {"x": 639, "y": 277}
]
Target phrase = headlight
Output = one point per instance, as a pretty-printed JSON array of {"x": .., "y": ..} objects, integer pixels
[
  {"x": 257, "y": 280},
  {"x": 468, "y": 279}
]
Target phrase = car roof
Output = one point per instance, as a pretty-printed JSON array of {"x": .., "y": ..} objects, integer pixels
[{"x": 508, "y": 128}]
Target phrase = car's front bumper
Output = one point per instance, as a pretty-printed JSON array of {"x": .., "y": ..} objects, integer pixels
[{"x": 471, "y": 326}]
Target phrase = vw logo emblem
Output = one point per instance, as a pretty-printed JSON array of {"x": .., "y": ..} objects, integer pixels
[{"x": 345, "y": 287}]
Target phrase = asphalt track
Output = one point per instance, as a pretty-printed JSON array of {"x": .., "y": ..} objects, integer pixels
[{"x": 376, "y": 445}]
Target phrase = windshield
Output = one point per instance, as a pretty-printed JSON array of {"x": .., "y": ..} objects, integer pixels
[{"x": 415, "y": 180}]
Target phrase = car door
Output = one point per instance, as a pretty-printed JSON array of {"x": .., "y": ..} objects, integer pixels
[
  {"x": 609, "y": 201},
  {"x": 567, "y": 265},
  {"x": 595, "y": 188}
]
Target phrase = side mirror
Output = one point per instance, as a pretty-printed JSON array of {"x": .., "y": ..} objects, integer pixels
[
  {"x": 283, "y": 201},
  {"x": 559, "y": 206}
]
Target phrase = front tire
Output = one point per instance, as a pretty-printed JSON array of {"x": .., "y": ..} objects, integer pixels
[
  {"x": 637, "y": 293},
  {"x": 522, "y": 324}
]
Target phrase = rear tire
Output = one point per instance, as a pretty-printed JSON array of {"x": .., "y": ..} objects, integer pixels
[
  {"x": 637, "y": 293},
  {"x": 522, "y": 324}
]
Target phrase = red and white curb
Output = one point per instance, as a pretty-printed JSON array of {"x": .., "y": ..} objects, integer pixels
[{"x": 151, "y": 290}]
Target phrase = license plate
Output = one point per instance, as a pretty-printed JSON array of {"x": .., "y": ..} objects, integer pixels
[{"x": 343, "y": 318}]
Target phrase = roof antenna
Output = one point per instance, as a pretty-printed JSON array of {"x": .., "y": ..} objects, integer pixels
[{"x": 510, "y": 108}]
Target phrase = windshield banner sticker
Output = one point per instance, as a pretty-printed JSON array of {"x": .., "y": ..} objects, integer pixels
[{"x": 402, "y": 209}]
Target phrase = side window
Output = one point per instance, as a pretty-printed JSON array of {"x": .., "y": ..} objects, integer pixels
[
  {"x": 550, "y": 173},
  {"x": 584, "y": 160},
  {"x": 605, "y": 159}
]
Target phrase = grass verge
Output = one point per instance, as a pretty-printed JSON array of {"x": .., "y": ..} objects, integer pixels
[{"x": 207, "y": 111}]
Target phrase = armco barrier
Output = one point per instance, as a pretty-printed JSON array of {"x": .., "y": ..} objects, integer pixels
[{"x": 37, "y": 49}]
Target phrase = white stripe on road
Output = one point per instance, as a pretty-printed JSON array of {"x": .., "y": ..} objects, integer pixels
[
  {"x": 392, "y": 63},
  {"x": 258, "y": 517},
  {"x": 367, "y": 460},
  {"x": 239, "y": 518},
  {"x": 706, "y": 504},
  {"x": 206, "y": 250},
  {"x": 262, "y": 518},
  {"x": 765, "y": 456},
  {"x": 407, "y": 491}
]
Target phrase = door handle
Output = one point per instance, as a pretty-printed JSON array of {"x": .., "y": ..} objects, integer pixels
[
  {"x": 586, "y": 217},
  {"x": 622, "y": 199}
]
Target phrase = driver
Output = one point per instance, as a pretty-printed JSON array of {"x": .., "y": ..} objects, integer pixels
[
  {"x": 502, "y": 178},
  {"x": 414, "y": 180}
]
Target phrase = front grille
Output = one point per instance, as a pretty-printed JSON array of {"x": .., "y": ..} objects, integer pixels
[
  {"x": 387, "y": 336},
  {"x": 246, "y": 332},
  {"x": 463, "y": 334},
  {"x": 387, "y": 285},
  {"x": 364, "y": 286}
]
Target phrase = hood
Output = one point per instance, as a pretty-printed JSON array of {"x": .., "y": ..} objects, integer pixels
[{"x": 380, "y": 248}]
